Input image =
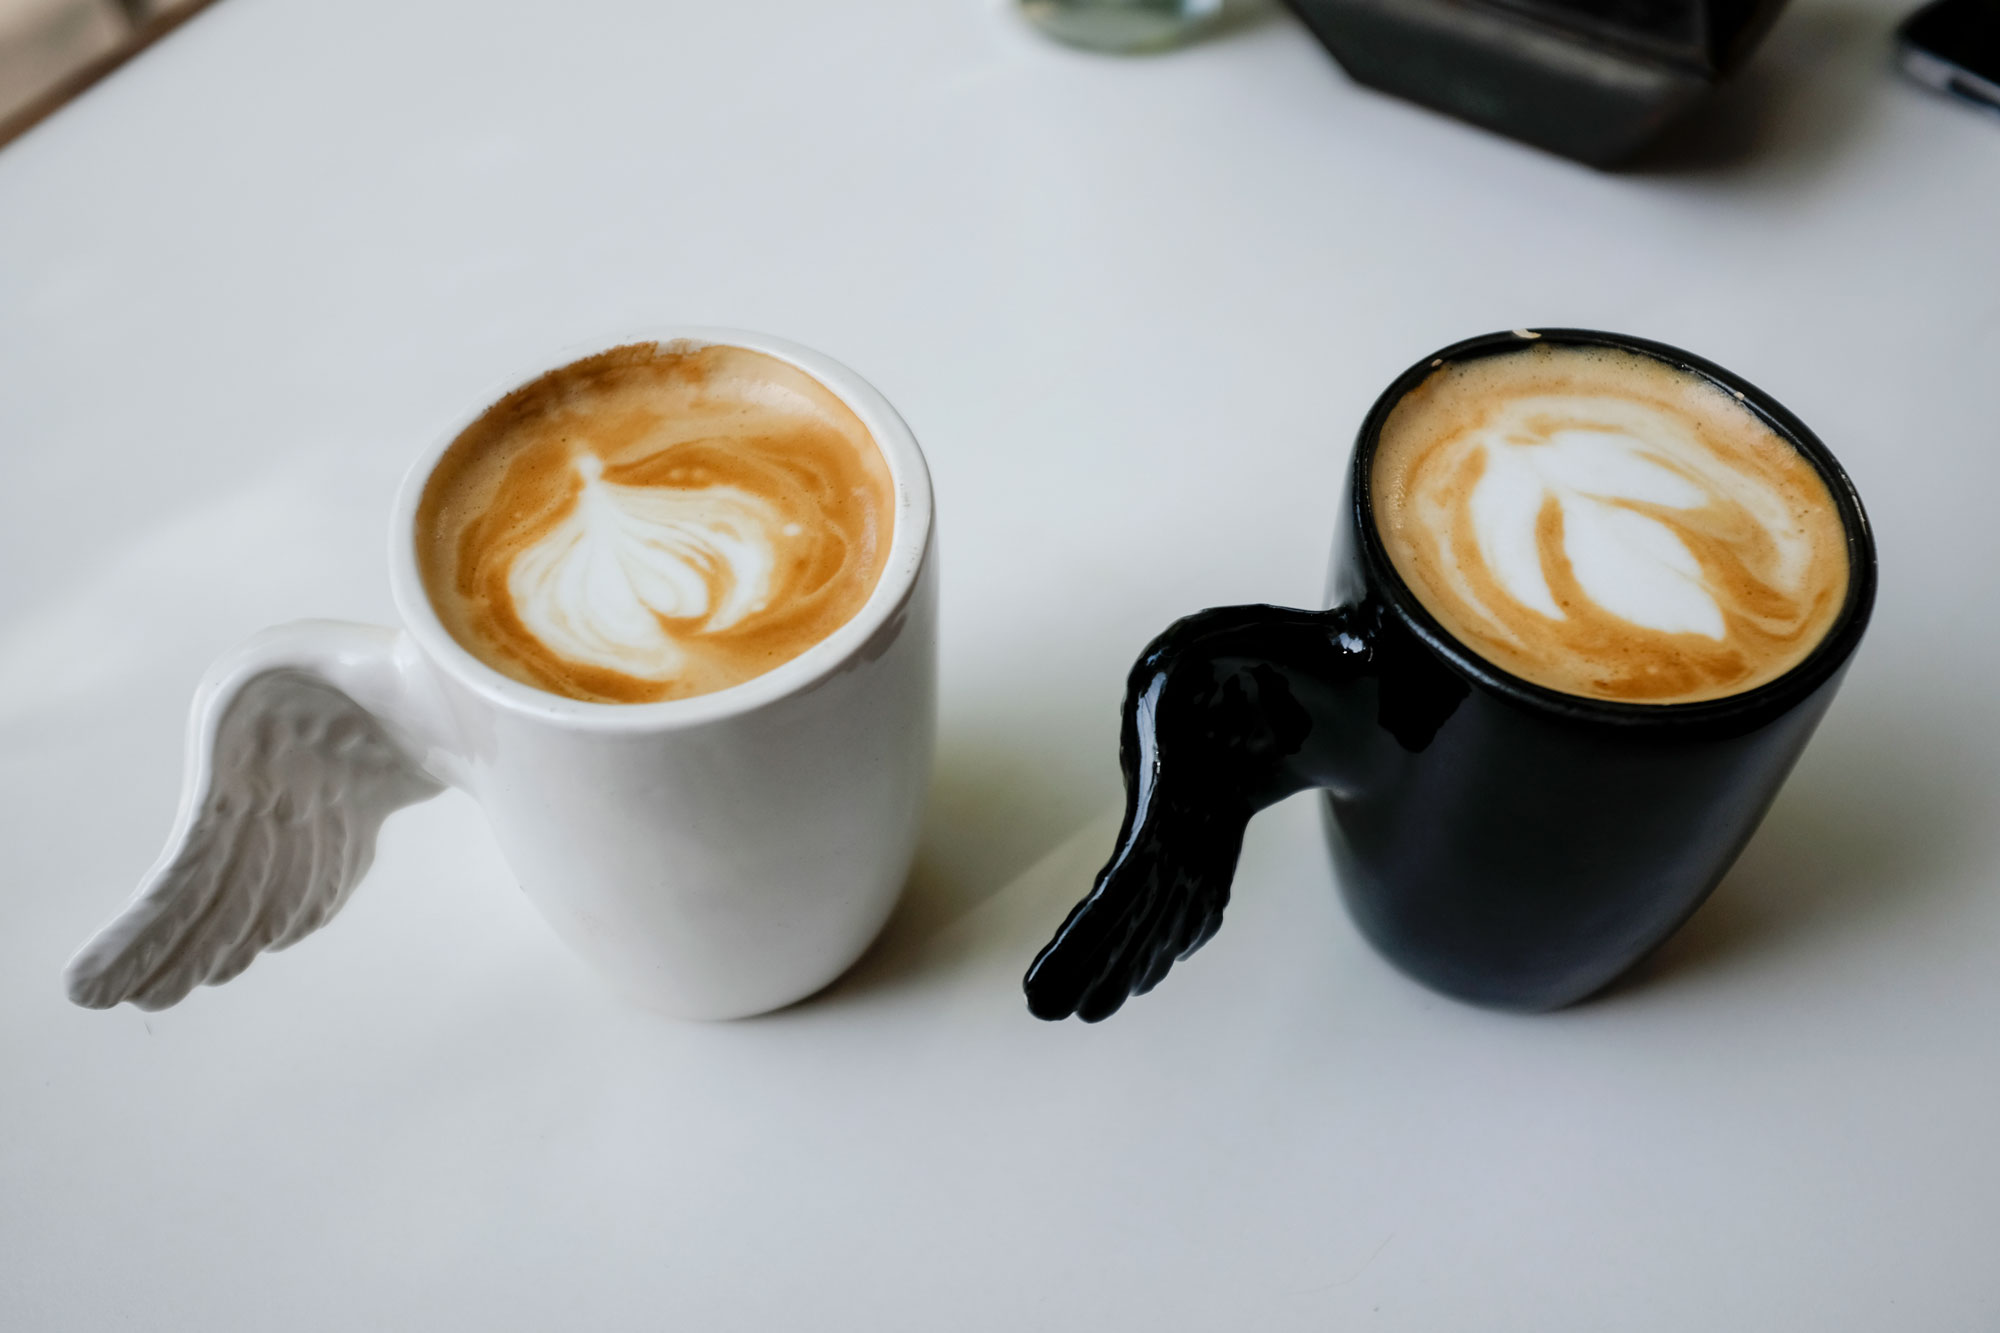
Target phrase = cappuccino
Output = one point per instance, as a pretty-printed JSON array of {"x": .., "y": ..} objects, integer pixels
[
  {"x": 655, "y": 522},
  {"x": 1604, "y": 524}
]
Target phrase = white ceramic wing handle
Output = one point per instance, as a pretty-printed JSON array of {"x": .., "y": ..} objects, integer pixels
[{"x": 301, "y": 742}]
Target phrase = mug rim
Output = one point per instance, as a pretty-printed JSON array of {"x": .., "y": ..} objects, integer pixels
[
  {"x": 1827, "y": 657},
  {"x": 909, "y": 550}
]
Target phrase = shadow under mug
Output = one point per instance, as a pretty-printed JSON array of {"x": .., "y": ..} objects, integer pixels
[
  {"x": 712, "y": 857},
  {"x": 1496, "y": 840}
]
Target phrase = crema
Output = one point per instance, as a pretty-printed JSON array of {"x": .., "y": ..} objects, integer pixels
[
  {"x": 1606, "y": 525},
  {"x": 655, "y": 522}
]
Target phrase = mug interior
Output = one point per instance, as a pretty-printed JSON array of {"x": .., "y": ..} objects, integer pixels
[
  {"x": 1808, "y": 674},
  {"x": 908, "y": 547}
]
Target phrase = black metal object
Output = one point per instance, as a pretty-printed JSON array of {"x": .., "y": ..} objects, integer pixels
[
  {"x": 1594, "y": 80},
  {"x": 1953, "y": 46},
  {"x": 1497, "y": 840}
]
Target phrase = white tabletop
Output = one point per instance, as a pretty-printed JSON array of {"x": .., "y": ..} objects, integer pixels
[{"x": 1134, "y": 311}]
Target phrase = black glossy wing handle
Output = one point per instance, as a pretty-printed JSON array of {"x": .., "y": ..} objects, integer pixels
[{"x": 1229, "y": 711}]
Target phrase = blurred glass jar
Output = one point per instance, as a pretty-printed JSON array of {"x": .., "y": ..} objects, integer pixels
[{"x": 1121, "y": 25}]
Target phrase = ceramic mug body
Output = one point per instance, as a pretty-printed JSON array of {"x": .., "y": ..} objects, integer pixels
[
  {"x": 1521, "y": 847},
  {"x": 728, "y": 853}
]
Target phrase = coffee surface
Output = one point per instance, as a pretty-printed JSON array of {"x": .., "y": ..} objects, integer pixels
[
  {"x": 1603, "y": 524},
  {"x": 655, "y": 522}
]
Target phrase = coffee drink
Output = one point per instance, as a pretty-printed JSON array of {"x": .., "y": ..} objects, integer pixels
[
  {"x": 662, "y": 519},
  {"x": 1552, "y": 545},
  {"x": 1601, "y": 523},
  {"x": 655, "y": 522}
]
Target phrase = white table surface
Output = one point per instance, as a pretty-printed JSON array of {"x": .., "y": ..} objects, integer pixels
[{"x": 1134, "y": 311}]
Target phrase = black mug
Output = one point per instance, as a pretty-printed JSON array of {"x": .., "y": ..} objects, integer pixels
[{"x": 1499, "y": 841}]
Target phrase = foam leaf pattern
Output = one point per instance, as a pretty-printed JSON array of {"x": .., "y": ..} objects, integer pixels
[
  {"x": 609, "y": 584},
  {"x": 1629, "y": 563}
]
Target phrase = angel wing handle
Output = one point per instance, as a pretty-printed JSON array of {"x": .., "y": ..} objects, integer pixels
[
  {"x": 1227, "y": 712},
  {"x": 301, "y": 742}
]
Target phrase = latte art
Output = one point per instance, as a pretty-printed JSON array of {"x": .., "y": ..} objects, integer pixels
[
  {"x": 654, "y": 523},
  {"x": 601, "y": 586},
  {"x": 1606, "y": 525}
]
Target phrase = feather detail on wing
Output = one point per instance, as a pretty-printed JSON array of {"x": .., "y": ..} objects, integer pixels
[
  {"x": 1163, "y": 893},
  {"x": 1213, "y": 732},
  {"x": 1159, "y": 900},
  {"x": 276, "y": 829}
]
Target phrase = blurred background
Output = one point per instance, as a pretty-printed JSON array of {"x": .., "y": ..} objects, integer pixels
[{"x": 53, "y": 49}]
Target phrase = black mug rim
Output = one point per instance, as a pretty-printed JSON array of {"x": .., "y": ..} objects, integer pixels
[{"x": 1773, "y": 696}]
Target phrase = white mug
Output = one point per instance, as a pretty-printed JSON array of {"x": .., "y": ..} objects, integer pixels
[{"x": 713, "y": 857}]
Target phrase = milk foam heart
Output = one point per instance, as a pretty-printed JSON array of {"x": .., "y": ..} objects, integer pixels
[
  {"x": 1607, "y": 525},
  {"x": 655, "y": 522}
]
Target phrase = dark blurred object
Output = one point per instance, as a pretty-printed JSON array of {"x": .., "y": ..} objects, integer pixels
[
  {"x": 1954, "y": 47},
  {"x": 1593, "y": 80},
  {"x": 52, "y": 50},
  {"x": 42, "y": 40}
]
